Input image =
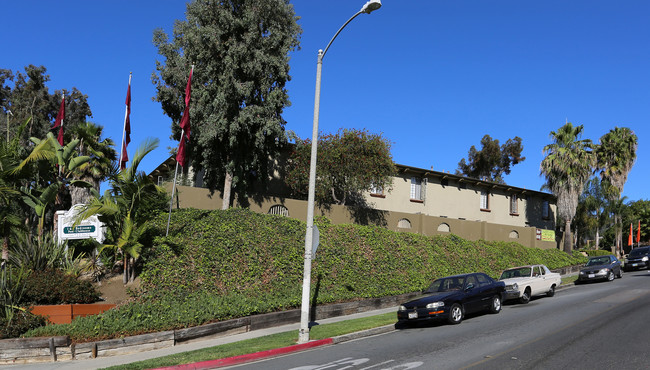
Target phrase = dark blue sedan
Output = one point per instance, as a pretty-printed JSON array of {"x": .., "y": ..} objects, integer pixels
[{"x": 452, "y": 297}]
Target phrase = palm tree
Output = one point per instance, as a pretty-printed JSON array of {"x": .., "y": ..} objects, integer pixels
[
  {"x": 63, "y": 161},
  {"x": 567, "y": 167},
  {"x": 615, "y": 157},
  {"x": 102, "y": 160},
  {"x": 121, "y": 208}
]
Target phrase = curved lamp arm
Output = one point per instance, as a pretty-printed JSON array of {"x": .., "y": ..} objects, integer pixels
[{"x": 367, "y": 8}]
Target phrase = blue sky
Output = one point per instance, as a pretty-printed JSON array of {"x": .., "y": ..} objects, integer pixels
[{"x": 432, "y": 76}]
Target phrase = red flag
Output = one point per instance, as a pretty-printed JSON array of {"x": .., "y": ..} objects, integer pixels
[
  {"x": 60, "y": 117},
  {"x": 185, "y": 123},
  {"x": 127, "y": 128},
  {"x": 638, "y": 233},
  {"x": 629, "y": 240}
]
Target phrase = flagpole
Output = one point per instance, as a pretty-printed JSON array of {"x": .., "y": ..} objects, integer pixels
[
  {"x": 184, "y": 123},
  {"x": 126, "y": 114}
]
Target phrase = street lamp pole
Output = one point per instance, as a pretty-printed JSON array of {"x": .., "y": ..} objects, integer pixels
[{"x": 303, "y": 336}]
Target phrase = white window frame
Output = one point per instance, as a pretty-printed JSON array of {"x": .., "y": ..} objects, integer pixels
[
  {"x": 485, "y": 200},
  {"x": 514, "y": 204},
  {"x": 416, "y": 189}
]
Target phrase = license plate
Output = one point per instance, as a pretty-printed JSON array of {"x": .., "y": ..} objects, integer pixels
[
  {"x": 591, "y": 276},
  {"x": 413, "y": 315},
  {"x": 635, "y": 264}
]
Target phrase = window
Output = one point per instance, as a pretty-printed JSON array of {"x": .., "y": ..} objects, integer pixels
[
  {"x": 483, "y": 280},
  {"x": 514, "y": 209},
  {"x": 416, "y": 189},
  {"x": 513, "y": 235},
  {"x": 376, "y": 190},
  {"x": 485, "y": 200},
  {"x": 471, "y": 280},
  {"x": 404, "y": 224},
  {"x": 279, "y": 209},
  {"x": 444, "y": 228},
  {"x": 545, "y": 210}
]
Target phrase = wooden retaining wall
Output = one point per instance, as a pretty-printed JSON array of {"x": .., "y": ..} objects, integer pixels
[{"x": 28, "y": 350}]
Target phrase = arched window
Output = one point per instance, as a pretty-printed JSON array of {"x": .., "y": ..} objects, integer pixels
[
  {"x": 279, "y": 209},
  {"x": 404, "y": 224},
  {"x": 514, "y": 235},
  {"x": 444, "y": 228}
]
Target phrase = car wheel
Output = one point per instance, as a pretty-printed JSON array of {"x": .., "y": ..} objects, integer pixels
[
  {"x": 525, "y": 298},
  {"x": 620, "y": 273},
  {"x": 551, "y": 292},
  {"x": 610, "y": 276},
  {"x": 495, "y": 306},
  {"x": 455, "y": 314}
]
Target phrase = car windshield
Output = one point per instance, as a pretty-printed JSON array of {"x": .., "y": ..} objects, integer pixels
[
  {"x": 598, "y": 261},
  {"x": 515, "y": 273},
  {"x": 638, "y": 252},
  {"x": 446, "y": 284}
]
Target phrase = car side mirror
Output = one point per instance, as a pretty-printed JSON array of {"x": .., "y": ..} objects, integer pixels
[{"x": 469, "y": 287}]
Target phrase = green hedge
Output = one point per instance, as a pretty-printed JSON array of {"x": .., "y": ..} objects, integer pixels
[
  {"x": 596, "y": 252},
  {"x": 217, "y": 265}
]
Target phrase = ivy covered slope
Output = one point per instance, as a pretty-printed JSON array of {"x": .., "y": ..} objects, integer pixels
[
  {"x": 217, "y": 265},
  {"x": 256, "y": 255}
]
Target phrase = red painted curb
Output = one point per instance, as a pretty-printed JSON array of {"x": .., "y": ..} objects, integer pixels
[{"x": 229, "y": 361}]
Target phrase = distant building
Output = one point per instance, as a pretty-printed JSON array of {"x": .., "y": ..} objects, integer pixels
[{"x": 421, "y": 201}]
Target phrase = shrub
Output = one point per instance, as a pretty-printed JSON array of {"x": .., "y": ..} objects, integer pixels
[
  {"x": 21, "y": 322},
  {"x": 55, "y": 287}
]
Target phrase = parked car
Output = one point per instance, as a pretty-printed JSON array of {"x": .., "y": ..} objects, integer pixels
[
  {"x": 637, "y": 259},
  {"x": 525, "y": 282},
  {"x": 450, "y": 298},
  {"x": 601, "y": 268}
]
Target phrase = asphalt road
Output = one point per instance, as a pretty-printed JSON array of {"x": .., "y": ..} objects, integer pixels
[{"x": 591, "y": 326}]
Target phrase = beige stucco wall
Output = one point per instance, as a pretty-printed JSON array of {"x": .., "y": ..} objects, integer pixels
[
  {"x": 421, "y": 222},
  {"x": 462, "y": 201}
]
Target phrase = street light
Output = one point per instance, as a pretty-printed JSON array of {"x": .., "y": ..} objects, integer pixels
[{"x": 303, "y": 336}]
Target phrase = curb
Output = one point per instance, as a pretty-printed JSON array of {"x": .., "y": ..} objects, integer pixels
[{"x": 238, "y": 360}]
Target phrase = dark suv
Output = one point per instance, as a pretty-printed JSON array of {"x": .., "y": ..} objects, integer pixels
[{"x": 637, "y": 259}]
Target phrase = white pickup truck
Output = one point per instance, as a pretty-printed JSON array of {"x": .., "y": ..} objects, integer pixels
[{"x": 525, "y": 282}]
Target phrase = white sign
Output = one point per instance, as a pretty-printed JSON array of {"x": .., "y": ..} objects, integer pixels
[{"x": 88, "y": 228}]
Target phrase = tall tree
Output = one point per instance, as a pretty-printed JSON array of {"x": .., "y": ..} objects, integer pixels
[
  {"x": 616, "y": 155},
  {"x": 350, "y": 162},
  {"x": 30, "y": 97},
  {"x": 567, "y": 167},
  {"x": 492, "y": 161},
  {"x": 240, "y": 52},
  {"x": 10, "y": 182},
  {"x": 591, "y": 215}
]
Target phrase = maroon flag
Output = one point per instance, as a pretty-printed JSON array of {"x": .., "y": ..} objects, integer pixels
[
  {"x": 185, "y": 123},
  {"x": 127, "y": 128},
  {"x": 60, "y": 117}
]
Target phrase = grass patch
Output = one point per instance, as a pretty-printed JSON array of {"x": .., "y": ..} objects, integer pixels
[
  {"x": 264, "y": 343},
  {"x": 567, "y": 280}
]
